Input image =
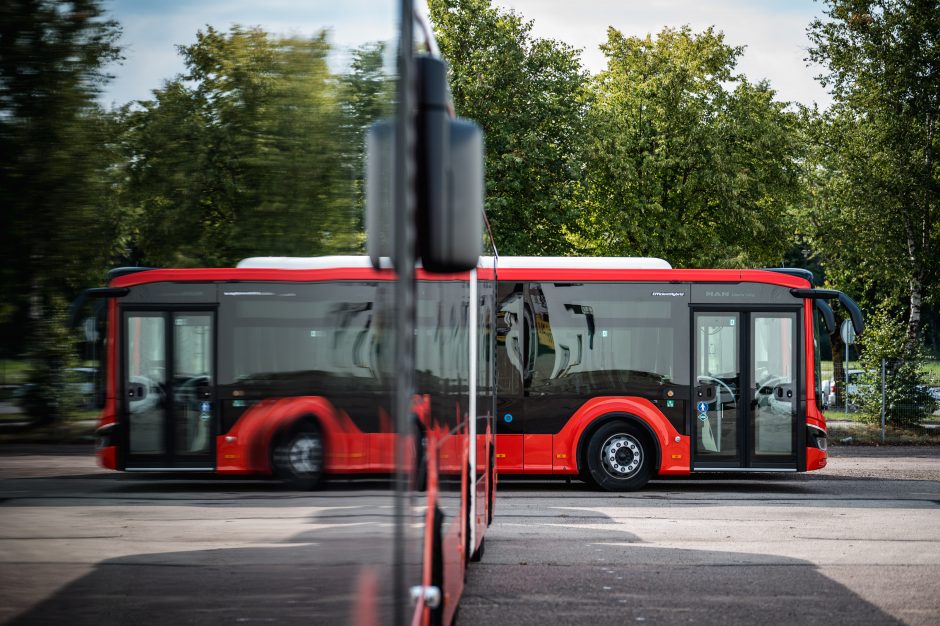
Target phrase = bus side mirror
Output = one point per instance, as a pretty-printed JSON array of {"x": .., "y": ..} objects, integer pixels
[
  {"x": 448, "y": 181},
  {"x": 380, "y": 191},
  {"x": 450, "y": 219}
]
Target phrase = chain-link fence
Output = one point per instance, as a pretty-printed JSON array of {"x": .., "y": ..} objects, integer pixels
[
  {"x": 904, "y": 396},
  {"x": 899, "y": 398}
]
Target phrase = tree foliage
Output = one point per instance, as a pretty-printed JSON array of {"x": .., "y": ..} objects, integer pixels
[
  {"x": 55, "y": 153},
  {"x": 56, "y": 158},
  {"x": 875, "y": 176},
  {"x": 906, "y": 399},
  {"x": 255, "y": 150},
  {"x": 688, "y": 160},
  {"x": 528, "y": 95}
]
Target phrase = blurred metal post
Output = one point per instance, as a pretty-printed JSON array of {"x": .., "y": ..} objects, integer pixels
[
  {"x": 845, "y": 393},
  {"x": 883, "y": 388},
  {"x": 404, "y": 262},
  {"x": 847, "y": 332}
]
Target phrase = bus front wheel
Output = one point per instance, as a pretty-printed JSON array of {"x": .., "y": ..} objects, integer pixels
[
  {"x": 297, "y": 456},
  {"x": 620, "y": 457}
]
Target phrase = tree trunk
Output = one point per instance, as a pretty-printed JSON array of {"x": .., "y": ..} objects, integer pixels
[
  {"x": 913, "y": 322},
  {"x": 838, "y": 368}
]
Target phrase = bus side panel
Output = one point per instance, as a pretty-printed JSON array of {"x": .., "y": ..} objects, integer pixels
[
  {"x": 483, "y": 473},
  {"x": 674, "y": 448},
  {"x": 815, "y": 459},
  {"x": 509, "y": 453},
  {"x": 452, "y": 462},
  {"x": 106, "y": 450},
  {"x": 809, "y": 352},
  {"x": 431, "y": 575},
  {"x": 538, "y": 454}
]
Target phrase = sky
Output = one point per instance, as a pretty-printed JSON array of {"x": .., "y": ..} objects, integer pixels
[
  {"x": 772, "y": 31},
  {"x": 152, "y": 30}
]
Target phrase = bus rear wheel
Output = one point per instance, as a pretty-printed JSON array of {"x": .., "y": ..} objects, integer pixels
[
  {"x": 620, "y": 457},
  {"x": 297, "y": 457}
]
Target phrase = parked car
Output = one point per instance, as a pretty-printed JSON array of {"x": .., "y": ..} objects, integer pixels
[
  {"x": 829, "y": 390},
  {"x": 81, "y": 382}
]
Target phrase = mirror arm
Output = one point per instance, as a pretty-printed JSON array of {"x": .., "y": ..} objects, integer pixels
[{"x": 858, "y": 321}]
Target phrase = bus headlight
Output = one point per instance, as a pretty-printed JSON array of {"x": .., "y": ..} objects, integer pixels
[{"x": 816, "y": 438}]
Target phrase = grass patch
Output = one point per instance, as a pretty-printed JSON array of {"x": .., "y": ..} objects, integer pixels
[
  {"x": 861, "y": 434},
  {"x": 840, "y": 414}
]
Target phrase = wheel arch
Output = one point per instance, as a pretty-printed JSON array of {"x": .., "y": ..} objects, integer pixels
[{"x": 616, "y": 416}]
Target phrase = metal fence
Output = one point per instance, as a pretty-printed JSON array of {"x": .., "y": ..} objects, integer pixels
[{"x": 885, "y": 393}]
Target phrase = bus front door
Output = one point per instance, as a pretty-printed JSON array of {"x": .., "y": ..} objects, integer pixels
[
  {"x": 167, "y": 383},
  {"x": 745, "y": 392}
]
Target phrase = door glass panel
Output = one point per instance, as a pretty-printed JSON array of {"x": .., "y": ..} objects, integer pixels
[
  {"x": 192, "y": 382},
  {"x": 510, "y": 348},
  {"x": 146, "y": 383},
  {"x": 717, "y": 390},
  {"x": 773, "y": 363}
]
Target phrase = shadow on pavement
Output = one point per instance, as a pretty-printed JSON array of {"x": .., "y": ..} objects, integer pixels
[{"x": 608, "y": 578}]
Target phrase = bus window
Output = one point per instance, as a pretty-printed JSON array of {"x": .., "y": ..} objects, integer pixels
[{"x": 603, "y": 338}]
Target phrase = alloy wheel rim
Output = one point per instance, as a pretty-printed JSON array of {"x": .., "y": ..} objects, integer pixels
[
  {"x": 305, "y": 454},
  {"x": 621, "y": 455}
]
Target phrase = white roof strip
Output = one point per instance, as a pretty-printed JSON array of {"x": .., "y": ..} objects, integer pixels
[
  {"x": 582, "y": 263},
  {"x": 504, "y": 262},
  {"x": 307, "y": 263}
]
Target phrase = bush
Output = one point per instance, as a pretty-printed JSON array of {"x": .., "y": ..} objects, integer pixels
[
  {"x": 906, "y": 398},
  {"x": 51, "y": 356}
]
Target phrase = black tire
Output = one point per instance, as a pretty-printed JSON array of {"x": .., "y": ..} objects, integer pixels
[
  {"x": 297, "y": 457},
  {"x": 620, "y": 457}
]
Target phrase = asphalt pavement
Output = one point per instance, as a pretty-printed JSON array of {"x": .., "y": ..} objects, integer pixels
[{"x": 856, "y": 543}]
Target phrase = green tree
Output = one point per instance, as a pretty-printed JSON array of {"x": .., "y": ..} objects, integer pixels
[
  {"x": 527, "y": 94},
  {"x": 255, "y": 150},
  {"x": 56, "y": 155},
  {"x": 688, "y": 160},
  {"x": 875, "y": 199},
  {"x": 906, "y": 399}
]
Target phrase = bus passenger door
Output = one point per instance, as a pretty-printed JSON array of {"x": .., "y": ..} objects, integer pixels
[
  {"x": 510, "y": 362},
  {"x": 716, "y": 390},
  {"x": 167, "y": 382},
  {"x": 773, "y": 395},
  {"x": 745, "y": 392}
]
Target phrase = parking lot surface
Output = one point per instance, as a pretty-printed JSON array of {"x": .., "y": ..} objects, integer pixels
[{"x": 857, "y": 543}]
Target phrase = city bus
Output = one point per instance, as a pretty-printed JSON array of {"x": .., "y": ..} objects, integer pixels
[
  {"x": 285, "y": 368},
  {"x": 619, "y": 370}
]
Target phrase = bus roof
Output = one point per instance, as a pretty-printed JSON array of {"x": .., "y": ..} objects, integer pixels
[
  {"x": 306, "y": 262},
  {"x": 359, "y": 267},
  {"x": 507, "y": 262},
  {"x": 583, "y": 263}
]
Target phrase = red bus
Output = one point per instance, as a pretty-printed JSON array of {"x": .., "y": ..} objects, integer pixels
[
  {"x": 619, "y": 370},
  {"x": 268, "y": 369}
]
